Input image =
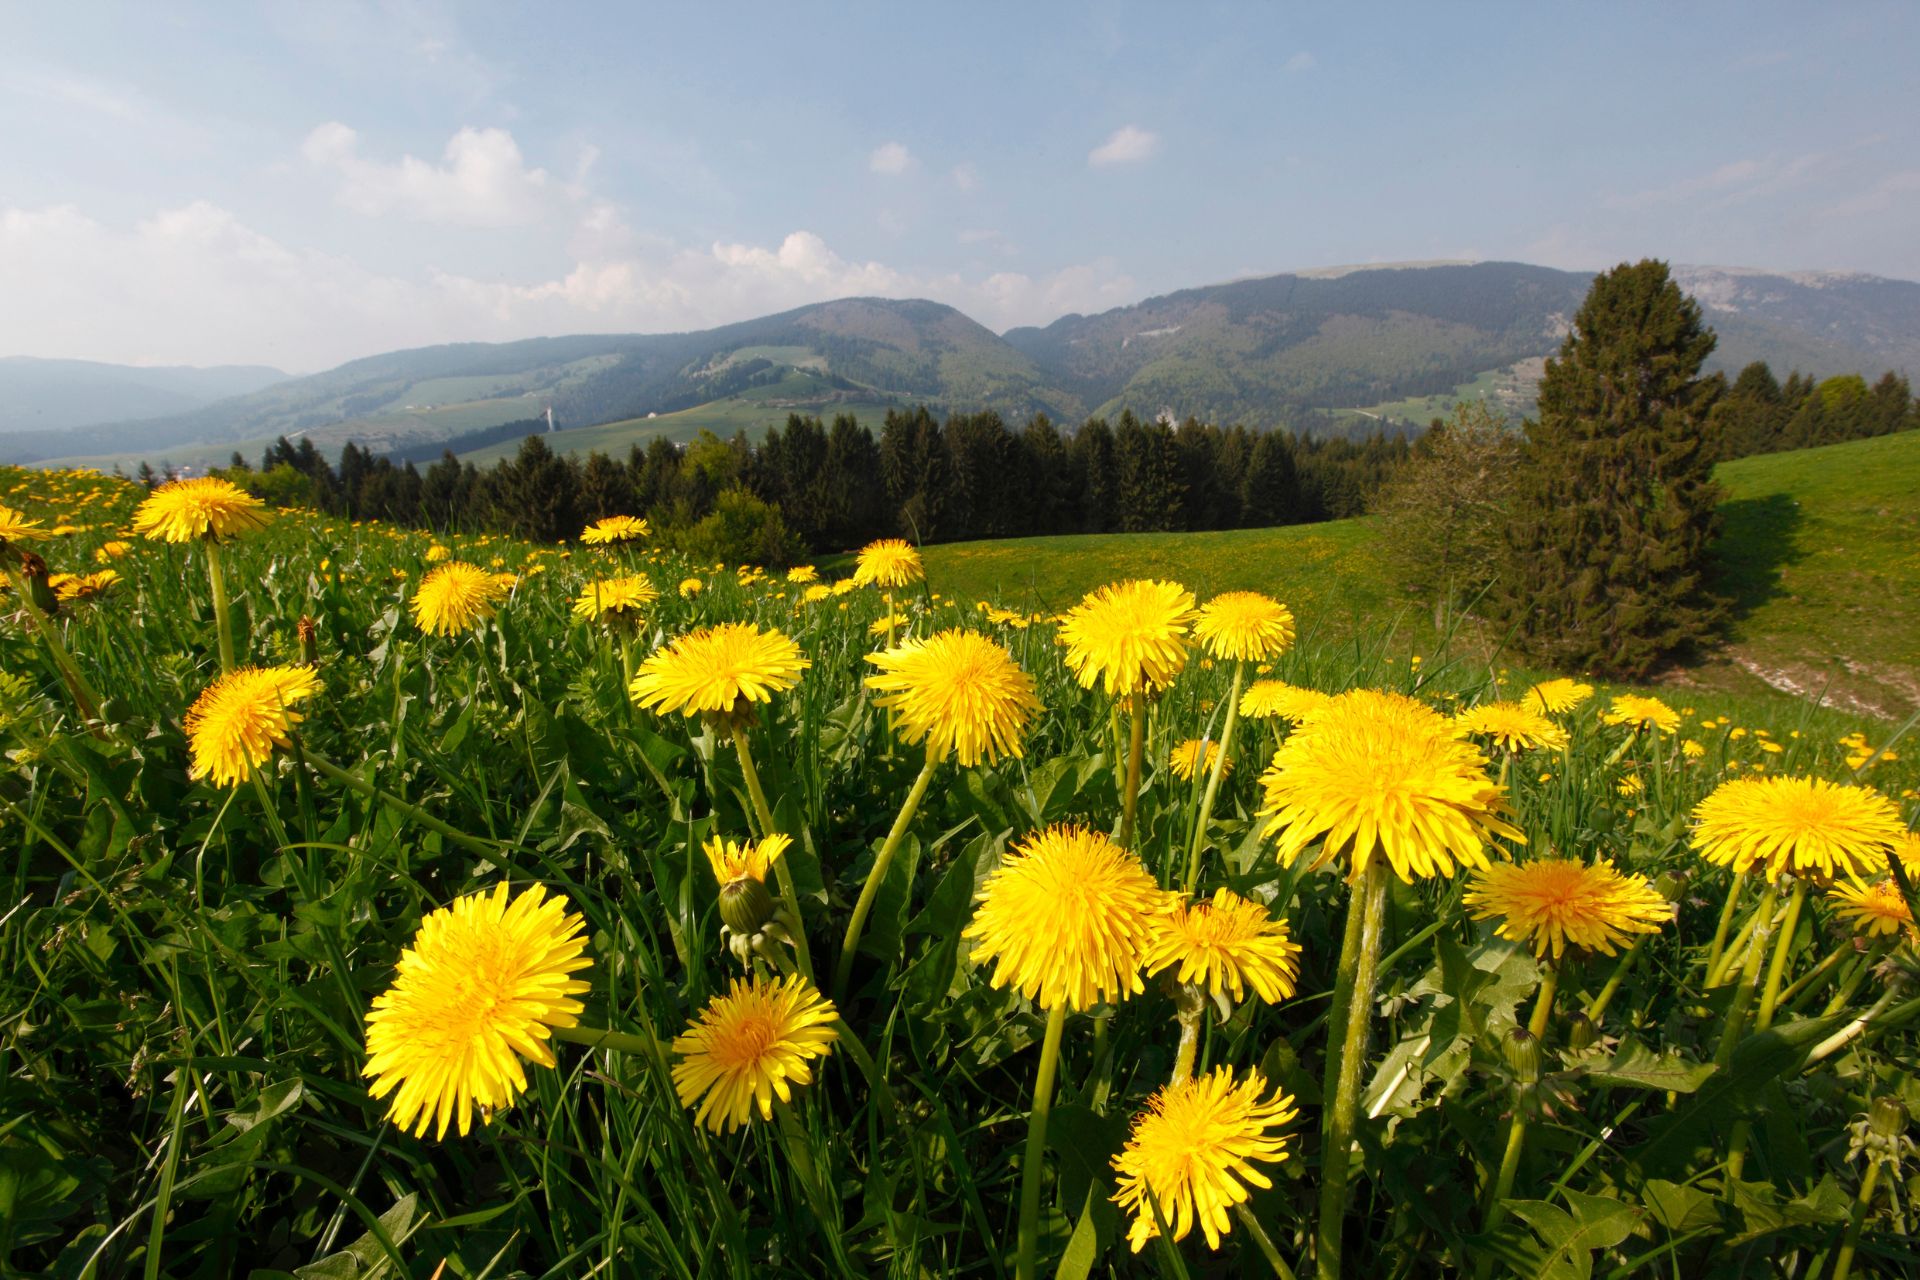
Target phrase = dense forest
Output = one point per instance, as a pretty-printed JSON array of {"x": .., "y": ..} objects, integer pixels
[{"x": 815, "y": 487}]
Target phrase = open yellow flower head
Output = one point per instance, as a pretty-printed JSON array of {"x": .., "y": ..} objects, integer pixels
[
  {"x": 474, "y": 995},
  {"x": 1641, "y": 713},
  {"x": 456, "y": 597},
  {"x": 83, "y": 586},
  {"x": 1907, "y": 849},
  {"x": 803, "y": 573},
  {"x": 888, "y": 563},
  {"x": 734, "y": 860},
  {"x": 690, "y": 587},
  {"x": 1244, "y": 626},
  {"x": 749, "y": 1046},
  {"x": 1556, "y": 903},
  {"x": 237, "y": 721},
  {"x": 958, "y": 692},
  {"x": 15, "y": 527},
  {"x": 1068, "y": 918},
  {"x": 1378, "y": 774},
  {"x": 614, "y": 529},
  {"x": 718, "y": 670},
  {"x": 106, "y": 552},
  {"x": 888, "y": 624},
  {"x": 1129, "y": 636},
  {"x": 1876, "y": 910},
  {"x": 1511, "y": 726},
  {"x": 1194, "y": 1148},
  {"x": 622, "y": 597},
  {"x": 1558, "y": 696},
  {"x": 1225, "y": 946},
  {"x": 1196, "y": 756},
  {"x": 203, "y": 507},
  {"x": 1265, "y": 698},
  {"x": 1806, "y": 826}
]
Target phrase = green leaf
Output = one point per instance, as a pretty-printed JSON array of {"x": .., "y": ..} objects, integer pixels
[
  {"x": 1634, "y": 1066},
  {"x": 1083, "y": 1249},
  {"x": 1677, "y": 1207}
]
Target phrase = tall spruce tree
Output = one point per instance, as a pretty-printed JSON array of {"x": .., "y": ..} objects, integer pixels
[{"x": 1615, "y": 507}]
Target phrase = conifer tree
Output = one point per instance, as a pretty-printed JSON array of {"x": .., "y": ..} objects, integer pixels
[{"x": 1615, "y": 507}]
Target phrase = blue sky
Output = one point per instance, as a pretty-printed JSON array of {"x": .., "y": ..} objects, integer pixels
[{"x": 299, "y": 184}]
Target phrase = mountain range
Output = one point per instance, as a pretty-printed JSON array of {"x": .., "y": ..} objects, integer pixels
[{"x": 1370, "y": 346}]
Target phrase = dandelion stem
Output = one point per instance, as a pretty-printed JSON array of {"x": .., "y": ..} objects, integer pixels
[
  {"x": 1719, "y": 946},
  {"x": 1736, "y": 1026},
  {"x": 1862, "y": 1203},
  {"x": 1810, "y": 981},
  {"x": 1251, "y": 1221},
  {"x": 618, "y": 1041},
  {"x": 1136, "y": 752},
  {"x": 1770, "y": 999},
  {"x": 1607, "y": 992},
  {"x": 222, "y": 622},
  {"x": 1189, "y": 1047},
  {"x": 871, "y": 889},
  {"x": 1543, "y": 1006},
  {"x": 1030, "y": 1164},
  {"x": 1352, "y": 1015},
  {"x": 85, "y": 700},
  {"x": 1213, "y": 777},
  {"x": 789, "y": 896}
]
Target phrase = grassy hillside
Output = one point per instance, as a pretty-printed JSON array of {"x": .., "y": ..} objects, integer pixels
[{"x": 1821, "y": 556}]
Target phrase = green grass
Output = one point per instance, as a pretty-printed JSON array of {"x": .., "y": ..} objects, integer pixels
[{"x": 1821, "y": 554}]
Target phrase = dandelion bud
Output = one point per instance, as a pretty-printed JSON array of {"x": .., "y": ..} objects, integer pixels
[
  {"x": 1887, "y": 1117},
  {"x": 745, "y": 905},
  {"x": 1581, "y": 1033},
  {"x": 1671, "y": 884},
  {"x": 309, "y": 633},
  {"x": 1522, "y": 1048}
]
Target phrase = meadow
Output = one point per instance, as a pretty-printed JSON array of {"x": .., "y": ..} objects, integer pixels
[{"x": 1709, "y": 1072}]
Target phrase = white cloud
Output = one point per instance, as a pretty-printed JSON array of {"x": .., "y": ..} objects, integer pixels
[
  {"x": 1729, "y": 183},
  {"x": 890, "y": 158},
  {"x": 1900, "y": 185},
  {"x": 482, "y": 179},
  {"x": 1301, "y": 61},
  {"x": 1128, "y": 144},
  {"x": 965, "y": 176},
  {"x": 194, "y": 285}
]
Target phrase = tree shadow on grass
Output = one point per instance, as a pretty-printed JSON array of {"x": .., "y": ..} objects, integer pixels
[{"x": 1757, "y": 542}]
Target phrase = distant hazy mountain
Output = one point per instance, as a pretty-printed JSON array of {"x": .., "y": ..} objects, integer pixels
[
  {"x": 1265, "y": 352},
  {"x": 49, "y": 395}
]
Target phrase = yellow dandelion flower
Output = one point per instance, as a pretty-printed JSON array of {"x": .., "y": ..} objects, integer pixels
[
  {"x": 1378, "y": 774},
  {"x": 107, "y": 552},
  {"x": 1131, "y": 635},
  {"x": 237, "y": 721},
  {"x": 1630, "y": 785},
  {"x": 1641, "y": 713},
  {"x": 888, "y": 563},
  {"x": 622, "y": 597},
  {"x": 801, "y": 573},
  {"x": 1068, "y": 917},
  {"x": 959, "y": 692},
  {"x": 816, "y": 593},
  {"x": 733, "y": 860},
  {"x": 1193, "y": 1151},
  {"x": 615, "y": 529},
  {"x": 1194, "y": 756},
  {"x": 1512, "y": 726},
  {"x": 718, "y": 670},
  {"x": 1907, "y": 849},
  {"x": 203, "y": 507},
  {"x": 1265, "y": 698},
  {"x": 456, "y": 597},
  {"x": 1556, "y": 903},
  {"x": 15, "y": 527},
  {"x": 890, "y": 623},
  {"x": 436, "y": 553},
  {"x": 1875, "y": 910},
  {"x": 1692, "y": 750},
  {"x": 691, "y": 587},
  {"x": 1807, "y": 826},
  {"x": 1557, "y": 696},
  {"x": 1226, "y": 946},
  {"x": 1244, "y": 626},
  {"x": 83, "y": 586},
  {"x": 476, "y": 992},
  {"x": 750, "y": 1045}
]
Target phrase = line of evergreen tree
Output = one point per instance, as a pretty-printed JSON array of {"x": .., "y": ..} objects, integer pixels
[
  {"x": 1760, "y": 414},
  {"x": 834, "y": 487}
]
